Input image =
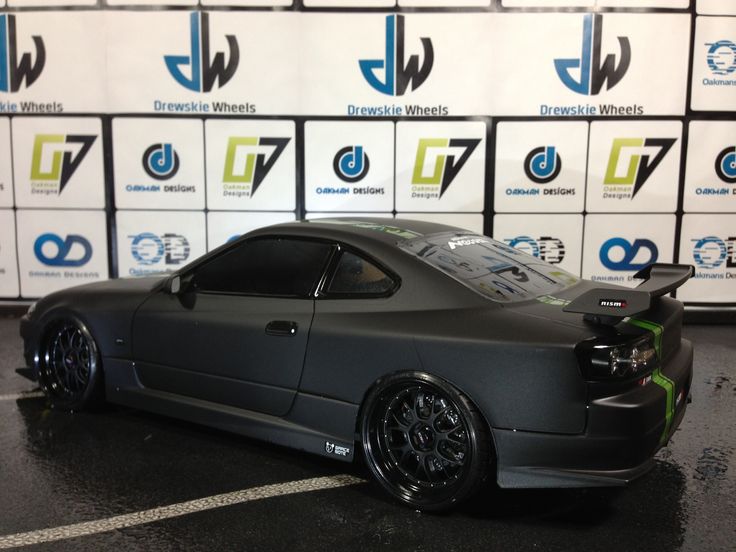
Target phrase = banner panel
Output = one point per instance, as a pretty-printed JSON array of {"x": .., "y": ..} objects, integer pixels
[
  {"x": 60, "y": 63},
  {"x": 60, "y": 249},
  {"x": 368, "y": 65},
  {"x": 714, "y": 64},
  {"x": 57, "y": 162},
  {"x": 585, "y": 64},
  {"x": 634, "y": 166},
  {"x": 6, "y": 166},
  {"x": 349, "y": 166},
  {"x": 204, "y": 63},
  {"x": 716, "y": 7},
  {"x": 540, "y": 167},
  {"x": 710, "y": 178},
  {"x": 159, "y": 163},
  {"x": 440, "y": 166},
  {"x": 151, "y": 242},
  {"x": 251, "y": 165},
  {"x": 9, "y": 288},
  {"x": 617, "y": 246},
  {"x": 708, "y": 242},
  {"x": 556, "y": 239}
]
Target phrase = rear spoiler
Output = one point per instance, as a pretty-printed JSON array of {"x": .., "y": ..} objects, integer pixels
[{"x": 610, "y": 305}]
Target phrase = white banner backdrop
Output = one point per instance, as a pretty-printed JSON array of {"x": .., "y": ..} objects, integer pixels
[
  {"x": 708, "y": 242},
  {"x": 6, "y": 167},
  {"x": 714, "y": 64},
  {"x": 541, "y": 166},
  {"x": 634, "y": 166},
  {"x": 61, "y": 62},
  {"x": 349, "y": 166},
  {"x": 57, "y": 162},
  {"x": 56, "y": 252},
  {"x": 150, "y": 242},
  {"x": 159, "y": 163},
  {"x": 8, "y": 260},
  {"x": 618, "y": 246},
  {"x": 710, "y": 177}
]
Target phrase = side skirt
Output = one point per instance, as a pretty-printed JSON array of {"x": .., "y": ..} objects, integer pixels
[{"x": 334, "y": 439}]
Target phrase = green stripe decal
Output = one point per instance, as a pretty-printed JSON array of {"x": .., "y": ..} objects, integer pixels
[{"x": 657, "y": 376}]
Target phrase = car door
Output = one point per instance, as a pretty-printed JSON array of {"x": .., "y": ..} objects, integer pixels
[{"x": 236, "y": 334}]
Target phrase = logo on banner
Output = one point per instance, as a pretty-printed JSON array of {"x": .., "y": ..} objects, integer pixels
[
  {"x": 438, "y": 162},
  {"x": 53, "y": 250},
  {"x": 18, "y": 67},
  {"x": 542, "y": 164},
  {"x": 198, "y": 71},
  {"x": 621, "y": 254},
  {"x": 149, "y": 249},
  {"x": 630, "y": 164},
  {"x": 398, "y": 74},
  {"x": 721, "y": 60},
  {"x": 711, "y": 252},
  {"x": 593, "y": 72},
  {"x": 726, "y": 165},
  {"x": 160, "y": 161},
  {"x": 55, "y": 159},
  {"x": 247, "y": 162},
  {"x": 546, "y": 248},
  {"x": 351, "y": 164}
]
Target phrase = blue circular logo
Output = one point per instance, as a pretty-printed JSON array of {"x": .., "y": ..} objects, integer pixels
[
  {"x": 722, "y": 57},
  {"x": 542, "y": 164},
  {"x": 351, "y": 164},
  {"x": 160, "y": 161},
  {"x": 710, "y": 252},
  {"x": 726, "y": 165}
]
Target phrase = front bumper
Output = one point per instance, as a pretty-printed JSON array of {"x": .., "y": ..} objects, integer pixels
[
  {"x": 30, "y": 343},
  {"x": 623, "y": 433}
]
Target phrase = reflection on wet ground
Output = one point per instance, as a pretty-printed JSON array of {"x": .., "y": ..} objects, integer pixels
[{"x": 58, "y": 469}]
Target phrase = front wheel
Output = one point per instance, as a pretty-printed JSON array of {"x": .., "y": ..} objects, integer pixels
[
  {"x": 70, "y": 370},
  {"x": 424, "y": 441}
]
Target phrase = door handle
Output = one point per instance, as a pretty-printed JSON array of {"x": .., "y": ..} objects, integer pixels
[{"x": 281, "y": 328}]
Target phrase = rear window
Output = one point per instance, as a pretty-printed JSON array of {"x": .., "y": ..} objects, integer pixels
[{"x": 493, "y": 269}]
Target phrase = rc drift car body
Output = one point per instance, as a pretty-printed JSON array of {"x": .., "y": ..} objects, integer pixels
[{"x": 441, "y": 356}]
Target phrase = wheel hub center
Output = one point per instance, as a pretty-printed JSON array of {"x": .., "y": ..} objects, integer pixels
[{"x": 422, "y": 437}]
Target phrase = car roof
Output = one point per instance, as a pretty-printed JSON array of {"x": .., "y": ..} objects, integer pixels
[{"x": 385, "y": 230}]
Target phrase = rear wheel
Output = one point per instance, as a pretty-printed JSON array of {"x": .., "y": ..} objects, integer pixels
[
  {"x": 424, "y": 441},
  {"x": 70, "y": 369}
]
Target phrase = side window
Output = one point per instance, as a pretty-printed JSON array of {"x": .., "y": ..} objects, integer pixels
[
  {"x": 356, "y": 276},
  {"x": 272, "y": 266}
]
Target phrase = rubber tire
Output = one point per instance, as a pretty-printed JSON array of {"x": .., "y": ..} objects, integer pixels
[
  {"x": 478, "y": 460},
  {"x": 93, "y": 396}
]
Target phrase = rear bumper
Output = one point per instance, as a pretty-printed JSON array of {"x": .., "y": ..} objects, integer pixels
[
  {"x": 30, "y": 348},
  {"x": 623, "y": 433}
]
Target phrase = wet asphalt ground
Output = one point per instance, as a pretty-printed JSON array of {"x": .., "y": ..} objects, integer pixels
[{"x": 58, "y": 469}]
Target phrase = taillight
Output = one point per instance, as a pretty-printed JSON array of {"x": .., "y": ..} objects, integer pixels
[{"x": 602, "y": 360}]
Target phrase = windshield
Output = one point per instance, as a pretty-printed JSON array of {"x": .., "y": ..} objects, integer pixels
[{"x": 493, "y": 269}]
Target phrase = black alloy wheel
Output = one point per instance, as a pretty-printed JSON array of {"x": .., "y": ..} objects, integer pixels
[
  {"x": 424, "y": 441},
  {"x": 70, "y": 371}
]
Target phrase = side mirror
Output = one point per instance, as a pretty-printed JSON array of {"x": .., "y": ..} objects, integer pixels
[{"x": 173, "y": 285}]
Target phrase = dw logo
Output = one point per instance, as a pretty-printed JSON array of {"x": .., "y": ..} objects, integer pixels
[
  {"x": 12, "y": 71},
  {"x": 397, "y": 74},
  {"x": 446, "y": 165},
  {"x": 351, "y": 163},
  {"x": 203, "y": 71},
  {"x": 542, "y": 164},
  {"x": 260, "y": 156},
  {"x": 63, "y": 161},
  {"x": 726, "y": 165},
  {"x": 60, "y": 252},
  {"x": 630, "y": 253},
  {"x": 160, "y": 161},
  {"x": 593, "y": 73},
  {"x": 640, "y": 165}
]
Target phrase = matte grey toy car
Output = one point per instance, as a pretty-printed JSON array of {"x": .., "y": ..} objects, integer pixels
[{"x": 443, "y": 357}]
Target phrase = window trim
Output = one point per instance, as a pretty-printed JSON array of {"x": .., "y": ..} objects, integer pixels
[
  {"x": 331, "y": 271},
  {"x": 190, "y": 274}
]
